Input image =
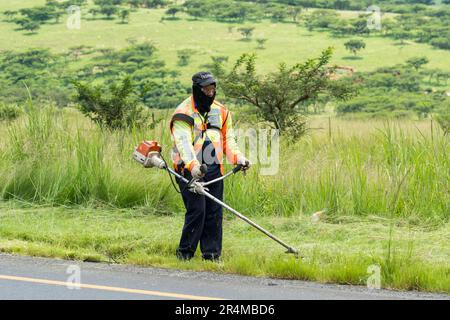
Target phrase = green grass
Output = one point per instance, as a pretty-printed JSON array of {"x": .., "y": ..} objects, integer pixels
[
  {"x": 286, "y": 41},
  {"x": 333, "y": 252},
  {"x": 57, "y": 157},
  {"x": 384, "y": 186},
  {"x": 71, "y": 190}
]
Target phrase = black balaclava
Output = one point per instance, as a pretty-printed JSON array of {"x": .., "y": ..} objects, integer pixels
[{"x": 202, "y": 101}]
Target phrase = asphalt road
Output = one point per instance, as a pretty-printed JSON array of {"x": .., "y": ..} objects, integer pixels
[{"x": 42, "y": 278}]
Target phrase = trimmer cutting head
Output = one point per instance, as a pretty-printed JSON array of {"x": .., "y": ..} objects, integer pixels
[{"x": 294, "y": 252}]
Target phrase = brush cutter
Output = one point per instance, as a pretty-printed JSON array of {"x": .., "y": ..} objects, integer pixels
[{"x": 148, "y": 153}]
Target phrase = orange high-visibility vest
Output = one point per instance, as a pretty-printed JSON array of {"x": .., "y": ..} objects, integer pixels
[{"x": 217, "y": 127}]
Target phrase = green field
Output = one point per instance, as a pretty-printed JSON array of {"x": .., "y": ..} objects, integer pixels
[{"x": 286, "y": 42}]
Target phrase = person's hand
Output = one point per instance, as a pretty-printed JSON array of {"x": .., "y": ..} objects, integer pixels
[
  {"x": 197, "y": 172},
  {"x": 246, "y": 164}
]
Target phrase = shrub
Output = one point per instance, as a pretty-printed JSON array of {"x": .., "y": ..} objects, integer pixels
[
  {"x": 443, "y": 118},
  {"x": 9, "y": 112},
  {"x": 113, "y": 107}
]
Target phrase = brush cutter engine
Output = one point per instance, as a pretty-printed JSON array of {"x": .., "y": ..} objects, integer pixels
[{"x": 148, "y": 153}]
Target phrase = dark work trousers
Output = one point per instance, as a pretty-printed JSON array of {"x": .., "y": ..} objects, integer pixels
[{"x": 203, "y": 220}]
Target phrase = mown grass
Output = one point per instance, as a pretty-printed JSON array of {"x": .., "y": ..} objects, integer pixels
[{"x": 332, "y": 253}]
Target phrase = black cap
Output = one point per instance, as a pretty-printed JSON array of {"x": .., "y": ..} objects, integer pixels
[{"x": 203, "y": 79}]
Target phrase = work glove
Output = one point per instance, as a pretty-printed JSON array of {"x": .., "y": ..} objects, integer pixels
[
  {"x": 246, "y": 164},
  {"x": 196, "y": 172}
]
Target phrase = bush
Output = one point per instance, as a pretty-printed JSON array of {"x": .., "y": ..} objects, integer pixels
[
  {"x": 443, "y": 118},
  {"x": 9, "y": 112},
  {"x": 114, "y": 107}
]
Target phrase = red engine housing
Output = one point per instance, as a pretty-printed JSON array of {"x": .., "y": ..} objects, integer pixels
[
  {"x": 146, "y": 146},
  {"x": 142, "y": 151}
]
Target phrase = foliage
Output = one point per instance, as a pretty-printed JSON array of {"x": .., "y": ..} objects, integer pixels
[
  {"x": 277, "y": 95},
  {"x": 394, "y": 91},
  {"x": 246, "y": 32},
  {"x": 354, "y": 45},
  {"x": 261, "y": 42},
  {"x": 417, "y": 62},
  {"x": 184, "y": 56},
  {"x": 115, "y": 107},
  {"x": 443, "y": 118},
  {"x": 9, "y": 112},
  {"x": 45, "y": 76}
]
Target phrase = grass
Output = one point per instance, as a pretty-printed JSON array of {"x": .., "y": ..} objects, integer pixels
[
  {"x": 212, "y": 38},
  {"x": 333, "y": 252},
  {"x": 71, "y": 190},
  {"x": 57, "y": 157}
]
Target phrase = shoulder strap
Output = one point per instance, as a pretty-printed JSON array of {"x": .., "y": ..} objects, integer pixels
[{"x": 182, "y": 117}]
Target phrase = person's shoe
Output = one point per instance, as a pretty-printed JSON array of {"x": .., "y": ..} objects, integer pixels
[
  {"x": 211, "y": 257},
  {"x": 184, "y": 256}
]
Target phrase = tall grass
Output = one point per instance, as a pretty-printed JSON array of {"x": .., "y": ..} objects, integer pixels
[
  {"x": 356, "y": 174},
  {"x": 57, "y": 157}
]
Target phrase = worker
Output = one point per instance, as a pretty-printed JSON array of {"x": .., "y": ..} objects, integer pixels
[{"x": 202, "y": 132}]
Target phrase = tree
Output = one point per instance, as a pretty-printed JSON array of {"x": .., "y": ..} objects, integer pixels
[
  {"x": 32, "y": 26},
  {"x": 400, "y": 34},
  {"x": 78, "y": 51},
  {"x": 354, "y": 45},
  {"x": 57, "y": 15},
  {"x": 124, "y": 15},
  {"x": 94, "y": 12},
  {"x": 442, "y": 75},
  {"x": 184, "y": 56},
  {"x": 216, "y": 60},
  {"x": 38, "y": 14},
  {"x": 10, "y": 14},
  {"x": 261, "y": 42},
  {"x": 172, "y": 11},
  {"x": 277, "y": 95},
  {"x": 277, "y": 12},
  {"x": 294, "y": 12},
  {"x": 246, "y": 32},
  {"x": 417, "y": 62},
  {"x": 113, "y": 107},
  {"x": 441, "y": 43},
  {"x": 108, "y": 10},
  {"x": 155, "y": 3},
  {"x": 321, "y": 19},
  {"x": 135, "y": 3}
]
